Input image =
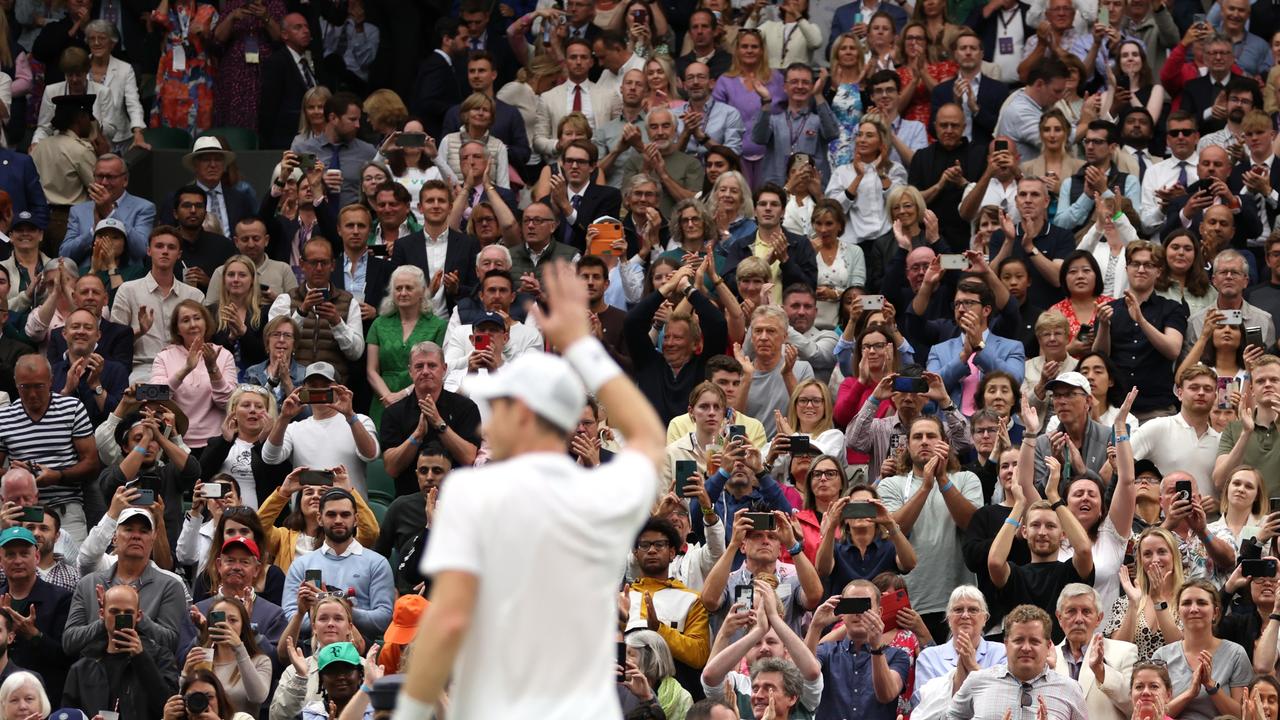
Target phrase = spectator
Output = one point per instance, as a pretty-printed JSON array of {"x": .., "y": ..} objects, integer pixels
[
  {"x": 1185, "y": 440},
  {"x": 957, "y": 359},
  {"x": 1230, "y": 276},
  {"x": 1078, "y": 437},
  {"x": 707, "y": 122},
  {"x": 1193, "y": 210},
  {"x": 280, "y": 373},
  {"x": 662, "y": 159},
  {"x": 1159, "y": 184},
  {"x": 703, "y": 444},
  {"x": 252, "y": 241},
  {"x": 35, "y": 613},
  {"x": 1020, "y": 115},
  {"x": 340, "y": 150},
  {"x": 465, "y": 350},
  {"x": 311, "y": 122},
  {"x": 127, "y": 667},
  {"x": 320, "y": 441},
  {"x": 242, "y": 668},
  {"x": 225, "y": 203},
  {"x": 1203, "y": 555},
  {"x": 934, "y": 517},
  {"x": 863, "y": 551},
  {"x": 26, "y": 263},
  {"x": 297, "y": 532},
  {"x": 538, "y": 241},
  {"x": 777, "y": 369},
  {"x": 578, "y": 94},
  {"x": 792, "y": 254},
  {"x": 966, "y": 651},
  {"x": 943, "y": 168},
  {"x": 1082, "y": 280},
  {"x": 439, "y": 85},
  {"x": 52, "y": 294},
  {"x": 704, "y": 43},
  {"x": 728, "y": 374},
  {"x": 288, "y": 75},
  {"x": 1199, "y": 607},
  {"x": 681, "y": 622},
  {"x": 410, "y": 166},
  {"x": 141, "y": 440},
  {"x": 406, "y": 526},
  {"x": 23, "y": 694},
  {"x": 96, "y": 381},
  {"x": 858, "y": 690},
  {"x": 330, "y": 318},
  {"x": 50, "y": 436},
  {"x": 486, "y": 73},
  {"x": 1076, "y": 199},
  {"x": 61, "y": 29},
  {"x": 438, "y": 249},
  {"x": 578, "y": 198},
  {"x": 237, "y": 448},
  {"x": 387, "y": 345},
  {"x": 649, "y": 655},
  {"x": 477, "y": 116},
  {"x": 331, "y": 616},
  {"x": 805, "y": 100},
  {"x": 111, "y": 264},
  {"x": 241, "y": 309},
  {"x": 883, "y": 435},
  {"x": 619, "y": 141},
  {"x": 202, "y": 251},
  {"x": 65, "y": 161},
  {"x": 219, "y": 494},
  {"x": 199, "y": 373},
  {"x": 226, "y": 577},
  {"x": 184, "y": 80},
  {"x": 202, "y": 682},
  {"x": 119, "y": 110},
  {"x": 1143, "y": 615},
  {"x": 908, "y": 136},
  {"x": 52, "y": 566},
  {"x": 738, "y": 87},
  {"x": 74, "y": 64},
  {"x": 344, "y": 563}
]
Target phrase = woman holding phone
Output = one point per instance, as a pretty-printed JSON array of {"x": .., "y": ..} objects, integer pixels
[
  {"x": 243, "y": 669},
  {"x": 1081, "y": 278},
  {"x": 1222, "y": 347},
  {"x": 301, "y": 527},
  {"x": 411, "y": 157},
  {"x": 703, "y": 446},
  {"x": 860, "y": 539}
]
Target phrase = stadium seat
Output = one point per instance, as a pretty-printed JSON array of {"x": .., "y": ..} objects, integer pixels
[
  {"x": 379, "y": 511},
  {"x": 382, "y": 487},
  {"x": 236, "y": 139},
  {"x": 167, "y": 138}
]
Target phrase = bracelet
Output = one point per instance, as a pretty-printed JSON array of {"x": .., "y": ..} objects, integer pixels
[
  {"x": 944, "y": 488},
  {"x": 1213, "y": 690},
  {"x": 366, "y": 689},
  {"x": 796, "y": 549},
  {"x": 139, "y": 449},
  {"x": 1122, "y": 438},
  {"x": 414, "y": 441},
  {"x": 592, "y": 363},
  {"x": 353, "y": 419},
  {"x": 1059, "y": 504},
  {"x": 1013, "y": 522},
  {"x": 1274, "y": 616},
  {"x": 410, "y": 708}
]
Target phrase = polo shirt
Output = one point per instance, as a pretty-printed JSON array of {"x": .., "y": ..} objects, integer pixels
[
  {"x": 847, "y": 680},
  {"x": 1053, "y": 242},
  {"x": 1261, "y": 452},
  {"x": 401, "y": 419},
  {"x": 1137, "y": 361},
  {"x": 851, "y": 564}
]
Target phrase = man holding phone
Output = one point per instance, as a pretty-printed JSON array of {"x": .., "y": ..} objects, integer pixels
[
  {"x": 1230, "y": 277},
  {"x": 35, "y": 612},
  {"x": 330, "y": 318},
  {"x": 1246, "y": 441},
  {"x": 975, "y": 350},
  {"x": 861, "y": 674},
  {"x": 881, "y": 437},
  {"x": 998, "y": 184}
]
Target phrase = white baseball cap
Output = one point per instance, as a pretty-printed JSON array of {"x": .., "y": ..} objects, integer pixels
[
  {"x": 1071, "y": 379},
  {"x": 544, "y": 382},
  {"x": 132, "y": 512}
]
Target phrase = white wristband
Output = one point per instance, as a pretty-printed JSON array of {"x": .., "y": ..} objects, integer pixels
[
  {"x": 408, "y": 708},
  {"x": 592, "y": 363}
]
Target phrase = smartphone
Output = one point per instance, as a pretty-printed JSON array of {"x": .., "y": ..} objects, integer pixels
[
  {"x": 954, "y": 262},
  {"x": 745, "y": 594},
  {"x": 124, "y": 621},
  {"x": 314, "y": 577},
  {"x": 381, "y": 251},
  {"x": 306, "y": 161},
  {"x": 1232, "y": 317},
  {"x": 1199, "y": 19},
  {"x": 853, "y": 605},
  {"x": 858, "y": 511},
  {"x": 211, "y": 491},
  {"x": 1123, "y": 82},
  {"x": 737, "y": 431},
  {"x": 33, "y": 514},
  {"x": 146, "y": 498},
  {"x": 910, "y": 385},
  {"x": 761, "y": 520},
  {"x": 1224, "y": 393},
  {"x": 1274, "y": 504},
  {"x": 1263, "y": 568},
  {"x": 482, "y": 342},
  {"x": 1104, "y": 15},
  {"x": 620, "y": 650},
  {"x": 799, "y": 445},
  {"x": 891, "y": 601},
  {"x": 801, "y": 159},
  {"x": 316, "y": 396},
  {"x": 1182, "y": 489},
  {"x": 316, "y": 477},
  {"x": 148, "y": 392},
  {"x": 684, "y": 470},
  {"x": 217, "y": 616},
  {"x": 639, "y": 16},
  {"x": 1085, "y": 329},
  {"x": 411, "y": 140},
  {"x": 1253, "y": 336},
  {"x": 324, "y": 294},
  {"x": 1001, "y": 145},
  {"x": 872, "y": 302}
]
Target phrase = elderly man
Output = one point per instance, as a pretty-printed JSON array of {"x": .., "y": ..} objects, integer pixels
[
  {"x": 778, "y": 369},
  {"x": 1103, "y": 674},
  {"x": 225, "y": 204},
  {"x": 1230, "y": 276},
  {"x": 538, "y": 249},
  {"x": 471, "y": 303},
  {"x": 239, "y": 565},
  {"x": 1071, "y": 397},
  {"x": 286, "y": 75},
  {"x": 862, "y": 674},
  {"x": 428, "y": 414},
  {"x": 36, "y": 611},
  {"x": 1251, "y": 52},
  {"x": 707, "y": 122},
  {"x": 109, "y": 198},
  {"x": 942, "y": 170},
  {"x": 50, "y": 436},
  {"x": 18, "y": 490},
  {"x": 1026, "y": 683},
  {"x": 679, "y": 174}
]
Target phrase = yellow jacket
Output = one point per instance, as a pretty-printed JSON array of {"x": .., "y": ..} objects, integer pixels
[
  {"x": 684, "y": 624},
  {"x": 282, "y": 542}
]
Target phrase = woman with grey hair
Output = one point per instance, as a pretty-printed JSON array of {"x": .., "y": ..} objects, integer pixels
[
  {"x": 732, "y": 206},
  {"x": 118, "y": 110},
  {"x": 651, "y": 655},
  {"x": 404, "y": 320},
  {"x": 967, "y": 615}
]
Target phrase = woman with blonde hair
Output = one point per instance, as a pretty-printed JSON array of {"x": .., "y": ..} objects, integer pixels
[
  {"x": 386, "y": 112},
  {"x": 844, "y": 95},
  {"x": 251, "y": 411},
  {"x": 200, "y": 373},
  {"x": 477, "y": 114},
  {"x": 791, "y": 37},
  {"x": 542, "y": 73},
  {"x": 663, "y": 87},
  {"x": 404, "y": 320},
  {"x": 1143, "y": 615},
  {"x": 740, "y": 87},
  {"x": 1241, "y": 503},
  {"x": 311, "y": 122},
  {"x": 332, "y": 621},
  {"x": 242, "y": 312}
]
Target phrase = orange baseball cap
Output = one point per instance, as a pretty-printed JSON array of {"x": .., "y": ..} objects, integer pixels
[{"x": 404, "y": 619}]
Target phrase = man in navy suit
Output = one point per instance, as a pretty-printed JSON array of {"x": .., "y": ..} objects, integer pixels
[
  {"x": 1258, "y": 175},
  {"x": 473, "y": 157},
  {"x": 225, "y": 204},
  {"x": 19, "y": 178},
  {"x": 858, "y": 14},
  {"x": 108, "y": 197},
  {"x": 577, "y": 199},
  {"x": 508, "y": 125},
  {"x": 439, "y": 85},
  {"x": 358, "y": 270},
  {"x": 979, "y": 95},
  {"x": 974, "y": 351},
  {"x": 286, "y": 77},
  {"x": 115, "y": 340},
  {"x": 437, "y": 248},
  {"x": 487, "y": 34}
]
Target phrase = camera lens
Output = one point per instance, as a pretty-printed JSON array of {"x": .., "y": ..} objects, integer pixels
[{"x": 197, "y": 702}]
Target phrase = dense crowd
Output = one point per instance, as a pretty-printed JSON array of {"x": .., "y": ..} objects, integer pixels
[{"x": 960, "y": 317}]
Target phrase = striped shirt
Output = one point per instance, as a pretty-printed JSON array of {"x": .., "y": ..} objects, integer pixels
[{"x": 47, "y": 441}]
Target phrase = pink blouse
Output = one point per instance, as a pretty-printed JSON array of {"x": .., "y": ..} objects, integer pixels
[{"x": 204, "y": 403}]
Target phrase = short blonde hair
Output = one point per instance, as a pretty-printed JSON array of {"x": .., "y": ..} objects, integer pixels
[
  {"x": 1051, "y": 321},
  {"x": 753, "y": 268},
  {"x": 384, "y": 107}
]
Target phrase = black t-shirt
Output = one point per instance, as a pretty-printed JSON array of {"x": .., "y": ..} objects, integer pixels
[
  {"x": 401, "y": 419},
  {"x": 1039, "y": 584},
  {"x": 983, "y": 526},
  {"x": 400, "y": 527}
]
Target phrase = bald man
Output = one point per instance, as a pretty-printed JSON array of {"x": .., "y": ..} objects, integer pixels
[
  {"x": 286, "y": 77},
  {"x": 18, "y": 491},
  {"x": 50, "y": 436},
  {"x": 1213, "y": 168}
]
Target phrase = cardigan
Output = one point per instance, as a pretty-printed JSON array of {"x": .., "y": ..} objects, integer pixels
[{"x": 282, "y": 543}]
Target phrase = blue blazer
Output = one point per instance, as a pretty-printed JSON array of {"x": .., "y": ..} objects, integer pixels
[
  {"x": 19, "y": 178},
  {"x": 842, "y": 22},
  {"x": 999, "y": 354},
  {"x": 137, "y": 214}
]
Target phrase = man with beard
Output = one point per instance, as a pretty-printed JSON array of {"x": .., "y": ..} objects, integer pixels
[
  {"x": 865, "y": 674},
  {"x": 344, "y": 565},
  {"x": 35, "y": 613},
  {"x": 404, "y": 529},
  {"x": 943, "y": 169},
  {"x": 1101, "y": 666},
  {"x": 882, "y": 437},
  {"x": 202, "y": 251},
  {"x": 932, "y": 503},
  {"x": 1025, "y": 682},
  {"x": 1234, "y": 100},
  {"x": 52, "y": 568},
  {"x": 677, "y": 172},
  {"x": 1040, "y": 581},
  {"x": 1137, "y": 128},
  {"x": 707, "y": 122},
  {"x": 1186, "y": 441},
  {"x": 657, "y": 602},
  {"x": 741, "y": 485},
  {"x": 1230, "y": 275},
  {"x": 1170, "y": 177},
  {"x": 1099, "y": 174},
  {"x": 1258, "y": 174}
]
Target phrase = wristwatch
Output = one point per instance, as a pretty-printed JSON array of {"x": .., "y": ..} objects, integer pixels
[
  {"x": 1032, "y": 252},
  {"x": 99, "y": 391},
  {"x": 876, "y": 651},
  {"x": 440, "y": 428},
  {"x": 1213, "y": 690},
  {"x": 1160, "y": 606}
]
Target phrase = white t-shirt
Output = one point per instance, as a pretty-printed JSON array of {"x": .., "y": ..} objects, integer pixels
[
  {"x": 239, "y": 465},
  {"x": 547, "y": 538}
]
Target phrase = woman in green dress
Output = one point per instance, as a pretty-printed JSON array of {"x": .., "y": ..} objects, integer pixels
[{"x": 404, "y": 320}]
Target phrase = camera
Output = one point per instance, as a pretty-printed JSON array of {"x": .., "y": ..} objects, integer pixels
[
  {"x": 197, "y": 702},
  {"x": 147, "y": 392}
]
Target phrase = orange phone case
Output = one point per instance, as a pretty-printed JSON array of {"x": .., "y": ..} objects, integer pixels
[{"x": 607, "y": 232}]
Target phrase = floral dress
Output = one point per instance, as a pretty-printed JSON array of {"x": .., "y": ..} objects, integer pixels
[
  {"x": 239, "y": 81},
  {"x": 184, "y": 80},
  {"x": 1148, "y": 639},
  {"x": 1068, "y": 311},
  {"x": 907, "y": 641},
  {"x": 847, "y": 106},
  {"x": 920, "y": 107}
]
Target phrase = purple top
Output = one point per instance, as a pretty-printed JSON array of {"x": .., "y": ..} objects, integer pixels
[{"x": 730, "y": 90}]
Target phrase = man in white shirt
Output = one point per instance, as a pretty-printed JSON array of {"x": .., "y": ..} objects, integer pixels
[
  {"x": 615, "y": 55},
  {"x": 329, "y": 316},
  {"x": 1258, "y": 170},
  {"x": 147, "y": 303},
  {"x": 531, "y": 508},
  {"x": 1186, "y": 441},
  {"x": 1172, "y": 175},
  {"x": 505, "y": 340}
]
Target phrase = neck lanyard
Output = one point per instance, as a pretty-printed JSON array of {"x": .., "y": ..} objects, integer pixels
[
  {"x": 1005, "y": 23},
  {"x": 794, "y": 132}
]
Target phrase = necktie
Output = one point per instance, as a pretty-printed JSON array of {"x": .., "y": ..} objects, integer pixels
[
  {"x": 335, "y": 159},
  {"x": 577, "y": 98},
  {"x": 575, "y": 201},
  {"x": 215, "y": 212},
  {"x": 1142, "y": 166},
  {"x": 1182, "y": 173},
  {"x": 969, "y": 388},
  {"x": 307, "y": 76}
]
